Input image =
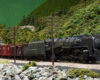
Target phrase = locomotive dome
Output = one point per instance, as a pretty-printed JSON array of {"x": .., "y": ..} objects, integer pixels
[{"x": 80, "y": 36}]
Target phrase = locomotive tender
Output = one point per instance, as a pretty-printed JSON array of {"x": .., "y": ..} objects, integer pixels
[{"x": 81, "y": 48}]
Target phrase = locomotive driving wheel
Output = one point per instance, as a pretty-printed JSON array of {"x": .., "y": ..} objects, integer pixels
[
  {"x": 86, "y": 61},
  {"x": 54, "y": 59},
  {"x": 93, "y": 60}
]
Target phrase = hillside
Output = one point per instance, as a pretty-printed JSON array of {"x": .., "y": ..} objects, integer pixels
[
  {"x": 83, "y": 18},
  {"x": 47, "y": 8},
  {"x": 12, "y": 11}
]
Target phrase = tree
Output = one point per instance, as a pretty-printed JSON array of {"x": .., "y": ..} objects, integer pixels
[
  {"x": 32, "y": 20},
  {"x": 28, "y": 20},
  {"x": 4, "y": 35},
  {"x": 23, "y": 21}
]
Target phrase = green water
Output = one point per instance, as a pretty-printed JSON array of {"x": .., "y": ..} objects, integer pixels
[{"x": 12, "y": 11}]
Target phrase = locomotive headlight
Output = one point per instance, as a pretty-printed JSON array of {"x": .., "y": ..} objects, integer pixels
[{"x": 47, "y": 45}]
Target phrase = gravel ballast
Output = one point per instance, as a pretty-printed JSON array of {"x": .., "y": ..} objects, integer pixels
[{"x": 14, "y": 72}]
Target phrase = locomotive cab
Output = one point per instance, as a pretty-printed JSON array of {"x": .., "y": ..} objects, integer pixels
[{"x": 49, "y": 48}]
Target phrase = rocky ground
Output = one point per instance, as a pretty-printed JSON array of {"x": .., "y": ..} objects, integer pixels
[{"x": 14, "y": 72}]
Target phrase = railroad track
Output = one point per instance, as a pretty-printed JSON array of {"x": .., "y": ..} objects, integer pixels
[
  {"x": 58, "y": 64},
  {"x": 58, "y": 61}
]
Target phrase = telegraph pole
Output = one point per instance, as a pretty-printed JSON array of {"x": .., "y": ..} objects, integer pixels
[
  {"x": 0, "y": 40},
  {"x": 52, "y": 24},
  {"x": 14, "y": 46},
  {"x": 14, "y": 37}
]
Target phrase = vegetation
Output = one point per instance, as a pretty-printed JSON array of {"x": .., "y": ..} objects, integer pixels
[
  {"x": 81, "y": 72},
  {"x": 1, "y": 28},
  {"x": 4, "y": 62},
  {"x": 30, "y": 64},
  {"x": 83, "y": 18}
]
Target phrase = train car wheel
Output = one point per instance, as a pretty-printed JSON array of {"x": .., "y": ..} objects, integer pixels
[
  {"x": 41, "y": 58},
  {"x": 86, "y": 61},
  {"x": 80, "y": 61},
  {"x": 44, "y": 59},
  {"x": 75, "y": 60},
  {"x": 69, "y": 60},
  {"x": 93, "y": 61}
]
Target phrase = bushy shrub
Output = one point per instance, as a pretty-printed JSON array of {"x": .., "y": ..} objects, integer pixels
[
  {"x": 33, "y": 64},
  {"x": 81, "y": 72},
  {"x": 30, "y": 64},
  {"x": 26, "y": 66},
  {"x": 4, "y": 62}
]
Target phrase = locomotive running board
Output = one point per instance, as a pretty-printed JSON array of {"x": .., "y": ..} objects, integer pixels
[
  {"x": 72, "y": 47},
  {"x": 97, "y": 61},
  {"x": 85, "y": 50}
]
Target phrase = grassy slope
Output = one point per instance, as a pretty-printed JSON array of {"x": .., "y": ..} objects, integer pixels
[
  {"x": 51, "y": 6},
  {"x": 83, "y": 20},
  {"x": 12, "y": 11}
]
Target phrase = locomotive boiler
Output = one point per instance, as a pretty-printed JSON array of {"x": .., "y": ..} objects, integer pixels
[{"x": 81, "y": 48}]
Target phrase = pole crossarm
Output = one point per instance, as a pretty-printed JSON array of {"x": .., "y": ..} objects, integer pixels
[
  {"x": 51, "y": 21},
  {"x": 54, "y": 28},
  {"x": 51, "y": 31},
  {"x": 10, "y": 35},
  {"x": 53, "y": 24},
  {"x": 11, "y": 38},
  {"x": 51, "y": 17},
  {"x": 9, "y": 28}
]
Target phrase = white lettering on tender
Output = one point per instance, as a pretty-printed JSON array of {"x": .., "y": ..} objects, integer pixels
[{"x": 32, "y": 49}]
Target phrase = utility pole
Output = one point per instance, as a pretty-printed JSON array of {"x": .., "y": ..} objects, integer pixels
[
  {"x": 52, "y": 24},
  {"x": 14, "y": 37}
]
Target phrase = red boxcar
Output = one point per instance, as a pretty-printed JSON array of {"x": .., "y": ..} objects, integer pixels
[
  {"x": 19, "y": 50},
  {"x": 6, "y": 50},
  {"x": 12, "y": 50},
  {"x": 0, "y": 50}
]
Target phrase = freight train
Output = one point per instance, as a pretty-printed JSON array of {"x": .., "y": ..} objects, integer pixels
[{"x": 77, "y": 48}]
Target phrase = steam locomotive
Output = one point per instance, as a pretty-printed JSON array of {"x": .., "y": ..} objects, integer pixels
[{"x": 77, "y": 48}]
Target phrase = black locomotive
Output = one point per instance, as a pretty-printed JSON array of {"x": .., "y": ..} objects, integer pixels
[{"x": 76, "y": 48}]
